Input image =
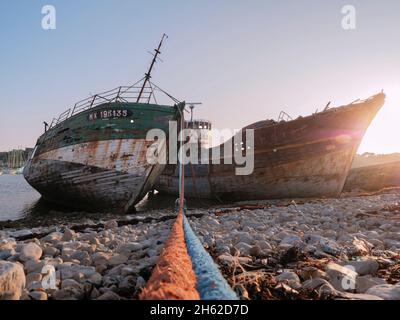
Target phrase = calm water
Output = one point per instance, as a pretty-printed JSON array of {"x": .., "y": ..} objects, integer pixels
[
  {"x": 17, "y": 197},
  {"x": 21, "y": 203}
]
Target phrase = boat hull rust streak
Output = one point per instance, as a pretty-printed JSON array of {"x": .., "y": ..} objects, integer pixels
[
  {"x": 104, "y": 177},
  {"x": 374, "y": 178},
  {"x": 304, "y": 158}
]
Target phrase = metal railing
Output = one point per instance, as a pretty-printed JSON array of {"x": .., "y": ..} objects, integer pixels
[
  {"x": 119, "y": 94},
  {"x": 283, "y": 116}
]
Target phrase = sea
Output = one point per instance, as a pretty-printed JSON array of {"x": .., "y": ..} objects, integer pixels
[
  {"x": 22, "y": 206},
  {"x": 17, "y": 198}
]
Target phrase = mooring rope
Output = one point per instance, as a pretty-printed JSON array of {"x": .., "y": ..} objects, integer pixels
[
  {"x": 210, "y": 282},
  {"x": 185, "y": 270},
  {"x": 173, "y": 277}
]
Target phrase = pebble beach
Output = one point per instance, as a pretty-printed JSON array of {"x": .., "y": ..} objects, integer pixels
[{"x": 347, "y": 248}]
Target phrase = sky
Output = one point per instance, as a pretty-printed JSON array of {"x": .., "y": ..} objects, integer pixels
[{"x": 244, "y": 60}]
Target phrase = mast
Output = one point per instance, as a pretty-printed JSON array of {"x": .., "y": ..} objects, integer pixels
[
  {"x": 148, "y": 74},
  {"x": 192, "y": 105}
]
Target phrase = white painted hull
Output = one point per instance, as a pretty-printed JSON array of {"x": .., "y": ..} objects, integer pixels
[{"x": 99, "y": 175}]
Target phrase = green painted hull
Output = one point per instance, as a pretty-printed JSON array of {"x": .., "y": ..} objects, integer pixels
[{"x": 132, "y": 124}]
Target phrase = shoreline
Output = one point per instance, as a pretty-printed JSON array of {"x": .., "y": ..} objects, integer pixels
[{"x": 266, "y": 250}]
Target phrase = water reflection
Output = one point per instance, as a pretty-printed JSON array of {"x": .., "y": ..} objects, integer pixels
[
  {"x": 164, "y": 201},
  {"x": 22, "y": 206}
]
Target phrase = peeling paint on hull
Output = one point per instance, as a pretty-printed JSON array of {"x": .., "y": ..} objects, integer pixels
[
  {"x": 70, "y": 176},
  {"x": 304, "y": 158},
  {"x": 374, "y": 178},
  {"x": 111, "y": 173}
]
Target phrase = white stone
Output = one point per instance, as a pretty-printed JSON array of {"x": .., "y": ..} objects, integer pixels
[
  {"x": 127, "y": 284},
  {"x": 50, "y": 251},
  {"x": 130, "y": 247},
  {"x": 38, "y": 295},
  {"x": 140, "y": 283},
  {"x": 364, "y": 267},
  {"x": 70, "y": 283},
  {"x": 360, "y": 247},
  {"x": 386, "y": 291},
  {"x": 100, "y": 258},
  {"x": 109, "y": 295},
  {"x": 244, "y": 248},
  {"x": 231, "y": 260},
  {"x": 326, "y": 245},
  {"x": 244, "y": 237},
  {"x": 362, "y": 296},
  {"x": 255, "y": 251},
  {"x": 292, "y": 240},
  {"x": 12, "y": 280},
  {"x": 52, "y": 237},
  {"x": 223, "y": 249},
  {"x": 321, "y": 285},
  {"x": 21, "y": 233},
  {"x": 31, "y": 277},
  {"x": 7, "y": 253},
  {"x": 96, "y": 279},
  {"x": 118, "y": 259},
  {"x": 30, "y": 251},
  {"x": 67, "y": 253},
  {"x": 68, "y": 294},
  {"x": 314, "y": 239},
  {"x": 76, "y": 272},
  {"x": 390, "y": 243},
  {"x": 312, "y": 272},
  {"x": 34, "y": 266},
  {"x": 35, "y": 286},
  {"x": 69, "y": 235},
  {"x": 112, "y": 224},
  {"x": 71, "y": 245},
  {"x": 291, "y": 278},
  {"x": 264, "y": 245},
  {"x": 89, "y": 237},
  {"x": 82, "y": 256},
  {"x": 366, "y": 282},
  {"x": 342, "y": 278}
]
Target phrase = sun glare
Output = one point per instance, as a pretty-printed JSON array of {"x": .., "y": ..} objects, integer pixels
[{"x": 383, "y": 135}]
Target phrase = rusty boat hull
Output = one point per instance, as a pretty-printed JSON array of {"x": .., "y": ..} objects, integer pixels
[
  {"x": 304, "y": 158},
  {"x": 373, "y": 177},
  {"x": 96, "y": 160}
]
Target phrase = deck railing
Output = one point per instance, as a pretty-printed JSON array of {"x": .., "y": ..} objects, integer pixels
[{"x": 119, "y": 94}]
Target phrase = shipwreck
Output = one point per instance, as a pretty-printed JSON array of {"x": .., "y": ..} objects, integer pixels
[{"x": 307, "y": 157}]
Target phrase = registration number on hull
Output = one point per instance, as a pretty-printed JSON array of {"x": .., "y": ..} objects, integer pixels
[{"x": 109, "y": 114}]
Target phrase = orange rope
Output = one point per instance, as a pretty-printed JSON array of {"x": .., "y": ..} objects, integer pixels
[{"x": 173, "y": 277}]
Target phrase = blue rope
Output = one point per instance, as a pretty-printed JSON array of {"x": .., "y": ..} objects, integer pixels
[{"x": 210, "y": 283}]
